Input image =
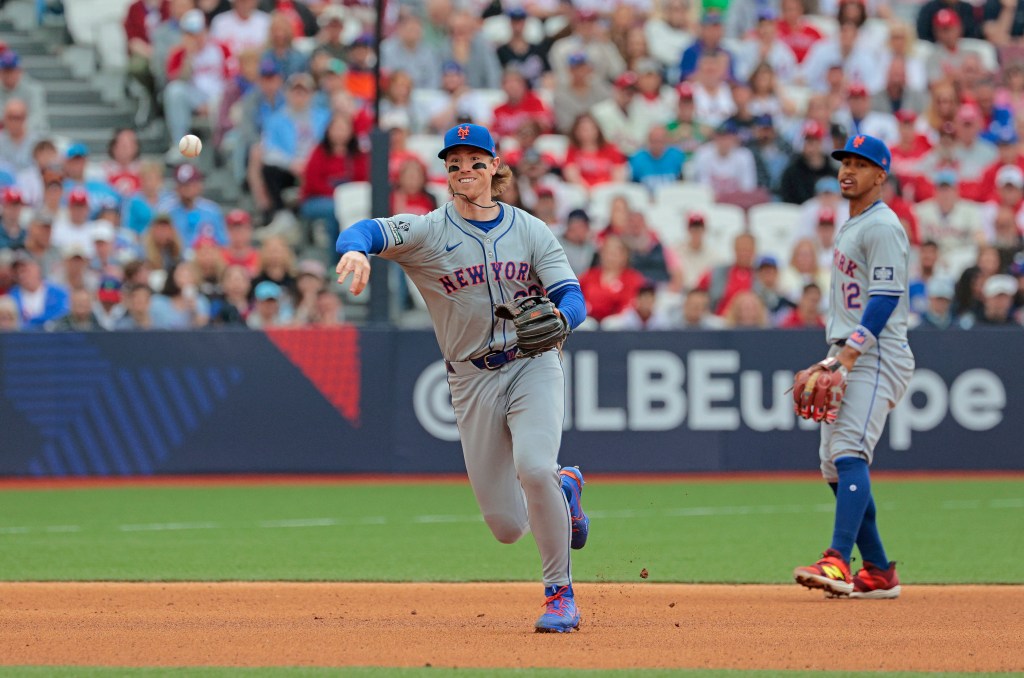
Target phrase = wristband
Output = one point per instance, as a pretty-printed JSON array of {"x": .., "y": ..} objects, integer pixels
[{"x": 861, "y": 340}]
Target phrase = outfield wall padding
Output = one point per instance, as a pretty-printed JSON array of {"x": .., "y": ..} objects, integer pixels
[{"x": 350, "y": 400}]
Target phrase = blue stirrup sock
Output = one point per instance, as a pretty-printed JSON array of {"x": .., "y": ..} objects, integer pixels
[
  {"x": 853, "y": 494},
  {"x": 869, "y": 541}
]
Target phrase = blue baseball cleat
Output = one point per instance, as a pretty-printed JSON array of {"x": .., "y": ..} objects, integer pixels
[
  {"x": 572, "y": 485},
  {"x": 560, "y": 615}
]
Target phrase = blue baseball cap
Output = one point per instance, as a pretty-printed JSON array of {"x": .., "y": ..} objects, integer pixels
[
  {"x": 268, "y": 289},
  {"x": 269, "y": 68},
  {"x": 468, "y": 135},
  {"x": 946, "y": 177},
  {"x": 9, "y": 59},
  {"x": 870, "y": 148},
  {"x": 77, "y": 150},
  {"x": 516, "y": 14},
  {"x": 1004, "y": 134},
  {"x": 452, "y": 66}
]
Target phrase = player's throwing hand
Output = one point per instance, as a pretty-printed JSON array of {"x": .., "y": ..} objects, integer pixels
[{"x": 358, "y": 265}]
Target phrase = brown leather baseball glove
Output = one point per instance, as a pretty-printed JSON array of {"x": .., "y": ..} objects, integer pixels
[{"x": 818, "y": 391}]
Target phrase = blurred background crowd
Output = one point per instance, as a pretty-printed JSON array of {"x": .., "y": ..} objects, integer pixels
[{"x": 679, "y": 150}]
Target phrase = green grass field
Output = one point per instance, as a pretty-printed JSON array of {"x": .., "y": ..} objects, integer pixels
[
  {"x": 939, "y": 530},
  {"x": 218, "y": 672}
]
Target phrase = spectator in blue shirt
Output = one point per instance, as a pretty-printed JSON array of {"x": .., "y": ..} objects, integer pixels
[
  {"x": 658, "y": 163},
  {"x": 75, "y": 175},
  {"x": 141, "y": 206},
  {"x": 289, "y": 137},
  {"x": 191, "y": 213},
  {"x": 38, "y": 301},
  {"x": 280, "y": 49},
  {"x": 709, "y": 40}
]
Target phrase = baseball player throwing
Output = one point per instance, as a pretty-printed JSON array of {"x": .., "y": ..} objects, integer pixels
[
  {"x": 866, "y": 372},
  {"x": 499, "y": 291}
]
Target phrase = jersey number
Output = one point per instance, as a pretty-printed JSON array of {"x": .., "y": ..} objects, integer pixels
[
  {"x": 851, "y": 294},
  {"x": 533, "y": 291}
]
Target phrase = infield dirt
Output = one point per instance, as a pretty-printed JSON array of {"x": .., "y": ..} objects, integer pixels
[{"x": 930, "y": 628}]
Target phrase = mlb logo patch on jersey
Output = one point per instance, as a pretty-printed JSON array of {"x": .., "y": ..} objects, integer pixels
[
  {"x": 858, "y": 337},
  {"x": 397, "y": 227},
  {"x": 883, "y": 274}
]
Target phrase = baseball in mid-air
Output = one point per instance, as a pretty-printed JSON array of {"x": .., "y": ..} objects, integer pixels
[{"x": 190, "y": 146}]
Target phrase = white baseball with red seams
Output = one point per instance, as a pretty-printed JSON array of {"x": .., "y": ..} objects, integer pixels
[{"x": 190, "y": 146}]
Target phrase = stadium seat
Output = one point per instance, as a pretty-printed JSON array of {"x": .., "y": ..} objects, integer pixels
[
  {"x": 668, "y": 223},
  {"x": 601, "y": 197},
  {"x": 684, "y": 195},
  {"x": 425, "y": 147},
  {"x": 498, "y": 31},
  {"x": 723, "y": 224},
  {"x": 987, "y": 51},
  {"x": 775, "y": 226},
  {"x": 799, "y": 96},
  {"x": 555, "y": 145},
  {"x": 440, "y": 192},
  {"x": 493, "y": 97},
  {"x": 828, "y": 25},
  {"x": 573, "y": 197},
  {"x": 352, "y": 202}
]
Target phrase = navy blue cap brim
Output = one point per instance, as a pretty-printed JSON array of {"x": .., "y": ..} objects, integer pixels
[
  {"x": 448, "y": 149},
  {"x": 841, "y": 153}
]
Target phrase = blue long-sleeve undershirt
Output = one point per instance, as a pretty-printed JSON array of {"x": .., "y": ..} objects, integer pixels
[
  {"x": 363, "y": 236},
  {"x": 569, "y": 300},
  {"x": 877, "y": 312}
]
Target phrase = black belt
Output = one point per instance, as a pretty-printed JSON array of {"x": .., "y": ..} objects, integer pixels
[{"x": 491, "y": 361}]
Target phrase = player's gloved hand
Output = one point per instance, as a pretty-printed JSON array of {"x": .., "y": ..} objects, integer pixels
[
  {"x": 539, "y": 325},
  {"x": 818, "y": 391}
]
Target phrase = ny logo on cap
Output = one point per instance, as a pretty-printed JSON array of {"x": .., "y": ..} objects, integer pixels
[
  {"x": 858, "y": 141},
  {"x": 463, "y": 132}
]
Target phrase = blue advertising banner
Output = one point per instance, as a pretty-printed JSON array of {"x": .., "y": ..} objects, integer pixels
[{"x": 347, "y": 401}]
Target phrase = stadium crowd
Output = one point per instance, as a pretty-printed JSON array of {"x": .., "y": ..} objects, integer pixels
[{"x": 595, "y": 102}]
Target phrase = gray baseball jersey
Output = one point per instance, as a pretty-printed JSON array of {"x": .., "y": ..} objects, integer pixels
[
  {"x": 510, "y": 418},
  {"x": 462, "y": 272},
  {"x": 870, "y": 256}
]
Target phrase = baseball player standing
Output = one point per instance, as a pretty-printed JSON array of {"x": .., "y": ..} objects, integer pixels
[
  {"x": 866, "y": 372},
  {"x": 473, "y": 259}
]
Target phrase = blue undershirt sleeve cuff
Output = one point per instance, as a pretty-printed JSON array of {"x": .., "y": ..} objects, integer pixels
[
  {"x": 877, "y": 312},
  {"x": 569, "y": 300},
  {"x": 363, "y": 236}
]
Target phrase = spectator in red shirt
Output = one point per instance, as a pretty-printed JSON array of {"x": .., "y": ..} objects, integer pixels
[
  {"x": 522, "y": 104},
  {"x": 1008, "y": 147},
  {"x": 611, "y": 285},
  {"x": 590, "y": 159},
  {"x": 336, "y": 160},
  {"x": 142, "y": 17},
  {"x": 795, "y": 31},
  {"x": 911, "y": 147},
  {"x": 239, "y": 250},
  {"x": 198, "y": 70},
  {"x": 122, "y": 169},
  {"x": 724, "y": 282},
  {"x": 806, "y": 314},
  {"x": 409, "y": 194}
]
